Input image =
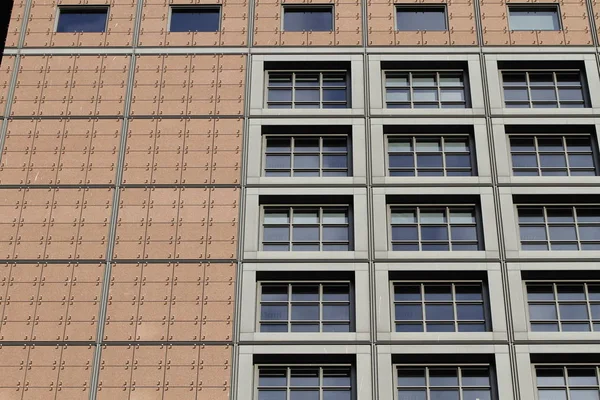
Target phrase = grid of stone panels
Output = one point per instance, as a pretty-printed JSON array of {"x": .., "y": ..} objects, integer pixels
[{"x": 123, "y": 190}]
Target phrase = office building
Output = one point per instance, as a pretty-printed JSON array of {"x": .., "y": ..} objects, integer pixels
[{"x": 300, "y": 200}]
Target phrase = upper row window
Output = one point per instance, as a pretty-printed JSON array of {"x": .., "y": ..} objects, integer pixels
[{"x": 82, "y": 19}]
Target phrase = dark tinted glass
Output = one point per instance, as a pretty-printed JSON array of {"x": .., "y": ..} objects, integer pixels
[
  {"x": 298, "y": 19},
  {"x": 82, "y": 20},
  {"x": 421, "y": 18},
  {"x": 195, "y": 20}
]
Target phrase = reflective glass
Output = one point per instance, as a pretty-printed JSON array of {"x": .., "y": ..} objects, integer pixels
[
  {"x": 533, "y": 18},
  {"x": 407, "y": 293},
  {"x": 443, "y": 377},
  {"x": 421, "y": 18},
  {"x": 542, "y": 311},
  {"x": 200, "y": 19},
  {"x": 298, "y": 19},
  {"x": 82, "y": 19}
]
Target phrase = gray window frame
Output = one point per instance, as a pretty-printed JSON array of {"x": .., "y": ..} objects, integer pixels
[
  {"x": 196, "y": 7},
  {"x": 557, "y": 302},
  {"x": 60, "y": 8},
  {"x": 565, "y": 368},
  {"x": 530, "y": 102},
  {"x": 442, "y": 137},
  {"x": 548, "y": 242},
  {"x": 321, "y": 366},
  {"x": 320, "y": 207},
  {"x": 308, "y": 7},
  {"x": 438, "y": 87},
  {"x": 564, "y": 136},
  {"x": 293, "y": 88},
  {"x": 447, "y": 208},
  {"x": 537, "y": 7},
  {"x": 459, "y": 367},
  {"x": 321, "y": 153},
  {"x": 290, "y": 284},
  {"x": 422, "y": 6},
  {"x": 455, "y": 321}
]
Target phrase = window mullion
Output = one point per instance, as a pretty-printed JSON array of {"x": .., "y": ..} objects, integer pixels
[
  {"x": 410, "y": 89},
  {"x": 293, "y": 156},
  {"x": 291, "y": 228},
  {"x": 537, "y": 155},
  {"x": 321, "y": 147},
  {"x": 321, "y": 99},
  {"x": 555, "y": 84},
  {"x": 423, "y": 304},
  {"x": 419, "y": 236},
  {"x": 293, "y": 90},
  {"x": 527, "y": 81},
  {"x": 414, "y": 154},
  {"x": 289, "y": 383},
  {"x": 588, "y": 306},
  {"x": 576, "y": 220},
  {"x": 566, "y": 152},
  {"x": 454, "y": 307},
  {"x": 321, "y": 383},
  {"x": 547, "y": 227},
  {"x": 320, "y": 307},
  {"x": 443, "y": 154},
  {"x": 557, "y": 305},
  {"x": 460, "y": 391},
  {"x": 439, "y": 89},
  {"x": 289, "y": 318},
  {"x": 321, "y": 228},
  {"x": 448, "y": 227}
]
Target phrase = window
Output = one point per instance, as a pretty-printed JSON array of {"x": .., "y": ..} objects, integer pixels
[
  {"x": 552, "y": 155},
  {"x": 305, "y": 307},
  {"x": 195, "y": 19},
  {"x": 425, "y": 89},
  {"x": 434, "y": 228},
  {"x": 439, "y": 307},
  {"x": 82, "y": 19},
  {"x": 543, "y": 89},
  {"x": 421, "y": 18},
  {"x": 430, "y": 155},
  {"x": 306, "y": 156},
  {"x": 575, "y": 382},
  {"x": 304, "y": 382},
  {"x": 302, "y": 18},
  {"x": 530, "y": 18},
  {"x": 559, "y": 227},
  {"x": 307, "y": 89},
  {"x": 306, "y": 228},
  {"x": 564, "y": 306},
  {"x": 469, "y": 382}
]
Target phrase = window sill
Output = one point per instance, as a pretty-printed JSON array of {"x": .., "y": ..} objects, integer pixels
[
  {"x": 433, "y": 180},
  {"x": 305, "y": 255},
  {"x": 429, "y": 112},
  {"x": 553, "y": 336},
  {"x": 437, "y": 255},
  {"x": 553, "y": 255},
  {"x": 311, "y": 181},
  {"x": 532, "y": 112},
  {"x": 319, "y": 112},
  {"x": 550, "y": 180},
  {"x": 442, "y": 336}
]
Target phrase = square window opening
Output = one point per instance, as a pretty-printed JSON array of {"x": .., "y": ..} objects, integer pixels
[
  {"x": 534, "y": 18},
  {"x": 82, "y": 19},
  {"x": 307, "y": 18},
  {"x": 195, "y": 19},
  {"x": 421, "y": 18}
]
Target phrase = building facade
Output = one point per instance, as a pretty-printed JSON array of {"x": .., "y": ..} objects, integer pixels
[{"x": 300, "y": 200}]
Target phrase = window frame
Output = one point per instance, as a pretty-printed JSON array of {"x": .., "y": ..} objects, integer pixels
[
  {"x": 459, "y": 366},
  {"x": 442, "y": 136},
  {"x": 447, "y": 207},
  {"x": 351, "y": 373},
  {"x": 556, "y": 302},
  {"x": 421, "y": 6},
  {"x": 321, "y": 137},
  {"x": 465, "y": 86},
  {"x": 564, "y": 366},
  {"x": 61, "y": 8},
  {"x": 319, "y": 206},
  {"x": 347, "y": 79},
  {"x": 582, "y": 84},
  {"x": 487, "y": 321},
  {"x": 308, "y": 7},
  {"x": 173, "y": 7},
  {"x": 548, "y": 241},
  {"x": 564, "y": 136},
  {"x": 538, "y": 7},
  {"x": 290, "y": 284}
]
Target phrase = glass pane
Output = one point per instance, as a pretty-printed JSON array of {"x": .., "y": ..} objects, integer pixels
[
  {"x": 336, "y": 377},
  {"x": 573, "y": 311},
  {"x": 304, "y": 394},
  {"x": 276, "y": 234},
  {"x": 280, "y": 95},
  {"x": 411, "y": 394},
  {"x": 550, "y": 377},
  {"x": 456, "y": 145},
  {"x": 336, "y": 293},
  {"x": 514, "y": 79},
  {"x": 195, "y": 19},
  {"x": 335, "y": 217},
  {"x": 305, "y": 312},
  {"x": 568, "y": 79},
  {"x": 522, "y": 144},
  {"x": 578, "y": 144},
  {"x": 447, "y": 79},
  {"x": 415, "y": 327},
  {"x": 411, "y": 377},
  {"x": 429, "y": 145},
  {"x": 269, "y": 312},
  {"x": 421, "y": 18},
  {"x": 458, "y": 161},
  {"x": 425, "y": 94},
  {"x": 272, "y": 395},
  {"x": 298, "y": 19},
  {"x": 540, "y": 292},
  {"x": 550, "y": 144},
  {"x": 593, "y": 292},
  {"x": 558, "y": 394},
  {"x": 429, "y": 161},
  {"x": 513, "y": 94},
  {"x": 273, "y": 161},
  {"x": 582, "y": 377},
  {"x": 276, "y": 247},
  {"x": 305, "y": 293},
  {"x": 408, "y": 312},
  {"x": 570, "y": 292},
  {"x": 276, "y": 217},
  {"x": 453, "y": 95},
  {"x": 276, "y": 144},
  {"x": 531, "y": 214},
  {"x": 462, "y": 217},
  {"x": 337, "y": 395},
  {"x": 562, "y": 233},
  {"x": 468, "y": 292},
  {"x": 304, "y": 377},
  {"x": 407, "y": 292},
  {"x": 439, "y": 312},
  {"x": 334, "y": 95},
  {"x": 470, "y": 312},
  {"x": 309, "y": 95},
  {"x": 306, "y": 217},
  {"x": 404, "y": 217},
  {"x": 82, "y": 20},
  {"x": 336, "y": 313},
  {"x": 396, "y": 79},
  {"x": 272, "y": 377},
  {"x": 336, "y": 233},
  {"x": 540, "y": 78},
  {"x": 463, "y": 233},
  {"x": 405, "y": 233},
  {"x": 274, "y": 293},
  {"x": 475, "y": 377},
  {"x": 477, "y": 394},
  {"x": 584, "y": 394},
  {"x": 330, "y": 161},
  {"x": 306, "y": 233},
  {"x": 397, "y": 95},
  {"x": 570, "y": 94},
  {"x": 542, "y": 311},
  {"x": 400, "y": 145},
  {"x": 438, "y": 292},
  {"x": 335, "y": 144},
  {"x": 433, "y": 217},
  {"x": 434, "y": 233},
  {"x": 305, "y": 327},
  {"x": 273, "y": 327},
  {"x": 581, "y": 161},
  {"x": 524, "y": 161},
  {"x": 402, "y": 161},
  {"x": 588, "y": 214},
  {"x": 307, "y": 145},
  {"x": 443, "y": 377},
  {"x": 589, "y": 232},
  {"x": 444, "y": 395}
]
